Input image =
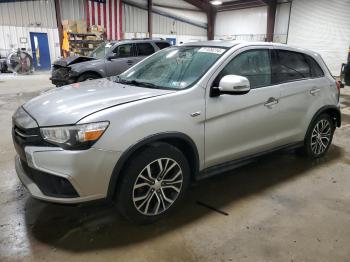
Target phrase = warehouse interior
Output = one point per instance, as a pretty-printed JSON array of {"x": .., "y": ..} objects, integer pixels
[{"x": 279, "y": 207}]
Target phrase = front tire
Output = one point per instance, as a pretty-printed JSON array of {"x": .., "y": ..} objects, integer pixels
[
  {"x": 153, "y": 183},
  {"x": 319, "y": 137}
]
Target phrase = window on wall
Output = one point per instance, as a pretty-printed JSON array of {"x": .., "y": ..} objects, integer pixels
[
  {"x": 144, "y": 49},
  {"x": 290, "y": 66},
  {"x": 253, "y": 64}
]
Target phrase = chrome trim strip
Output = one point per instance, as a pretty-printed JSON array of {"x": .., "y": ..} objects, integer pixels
[{"x": 24, "y": 135}]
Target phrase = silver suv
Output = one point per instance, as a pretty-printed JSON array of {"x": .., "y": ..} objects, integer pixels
[{"x": 185, "y": 113}]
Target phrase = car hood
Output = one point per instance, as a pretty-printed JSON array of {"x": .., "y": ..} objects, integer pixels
[
  {"x": 68, "y": 104},
  {"x": 71, "y": 60}
]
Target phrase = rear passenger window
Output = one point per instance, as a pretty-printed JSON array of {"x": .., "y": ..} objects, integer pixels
[
  {"x": 254, "y": 65},
  {"x": 290, "y": 66},
  {"x": 144, "y": 49},
  {"x": 316, "y": 70},
  {"x": 162, "y": 45}
]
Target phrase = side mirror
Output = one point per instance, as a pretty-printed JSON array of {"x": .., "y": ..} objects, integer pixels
[
  {"x": 111, "y": 56},
  {"x": 234, "y": 85}
]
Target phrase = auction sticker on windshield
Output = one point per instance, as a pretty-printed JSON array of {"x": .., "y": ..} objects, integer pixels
[{"x": 213, "y": 50}]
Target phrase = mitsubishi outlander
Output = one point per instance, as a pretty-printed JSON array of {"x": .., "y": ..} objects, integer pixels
[{"x": 184, "y": 113}]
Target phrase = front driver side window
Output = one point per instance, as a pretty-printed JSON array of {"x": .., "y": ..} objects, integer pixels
[
  {"x": 124, "y": 50},
  {"x": 253, "y": 64}
]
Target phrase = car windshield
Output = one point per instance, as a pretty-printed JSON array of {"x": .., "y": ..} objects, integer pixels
[
  {"x": 101, "y": 51},
  {"x": 173, "y": 67}
]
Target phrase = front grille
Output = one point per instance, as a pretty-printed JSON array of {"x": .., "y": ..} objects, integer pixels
[
  {"x": 50, "y": 185},
  {"x": 60, "y": 75},
  {"x": 27, "y": 137}
]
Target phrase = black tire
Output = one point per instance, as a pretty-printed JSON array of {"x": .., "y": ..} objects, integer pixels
[
  {"x": 87, "y": 76},
  {"x": 136, "y": 167},
  {"x": 312, "y": 144}
]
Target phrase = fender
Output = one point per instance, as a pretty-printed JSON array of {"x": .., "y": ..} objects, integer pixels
[{"x": 146, "y": 141}]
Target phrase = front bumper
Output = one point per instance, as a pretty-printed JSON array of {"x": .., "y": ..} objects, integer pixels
[
  {"x": 88, "y": 172},
  {"x": 62, "y": 76},
  {"x": 61, "y": 82}
]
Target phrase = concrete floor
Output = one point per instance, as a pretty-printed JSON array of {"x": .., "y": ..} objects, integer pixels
[{"x": 281, "y": 208}]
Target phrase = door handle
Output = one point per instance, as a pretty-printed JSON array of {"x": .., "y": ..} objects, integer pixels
[
  {"x": 129, "y": 62},
  {"x": 271, "y": 101},
  {"x": 194, "y": 114},
  {"x": 314, "y": 91}
]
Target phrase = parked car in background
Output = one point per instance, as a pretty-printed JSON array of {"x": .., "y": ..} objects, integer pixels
[
  {"x": 185, "y": 113},
  {"x": 110, "y": 58}
]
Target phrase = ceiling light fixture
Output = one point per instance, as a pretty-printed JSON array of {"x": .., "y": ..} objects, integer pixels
[{"x": 216, "y": 2}]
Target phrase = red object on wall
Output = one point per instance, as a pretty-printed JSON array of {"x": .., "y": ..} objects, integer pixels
[{"x": 106, "y": 13}]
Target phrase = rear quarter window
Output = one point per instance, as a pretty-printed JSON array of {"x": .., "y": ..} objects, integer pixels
[
  {"x": 316, "y": 70},
  {"x": 293, "y": 65}
]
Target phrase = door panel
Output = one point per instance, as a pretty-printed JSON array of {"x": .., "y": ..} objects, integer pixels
[
  {"x": 295, "y": 101},
  {"x": 241, "y": 125},
  {"x": 40, "y": 51},
  {"x": 300, "y": 92},
  {"x": 124, "y": 60},
  {"x": 119, "y": 65},
  {"x": 299, "y": 101}
]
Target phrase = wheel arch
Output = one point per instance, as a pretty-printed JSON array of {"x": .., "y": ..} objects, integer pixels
[
  {"x": 333, "y": 111},
  {"x": 182, "y": 141}
]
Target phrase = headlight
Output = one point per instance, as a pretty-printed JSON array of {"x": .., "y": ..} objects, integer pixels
[
  {"x": 74, "y": 137},
  {"x": 21, "y": 118}
]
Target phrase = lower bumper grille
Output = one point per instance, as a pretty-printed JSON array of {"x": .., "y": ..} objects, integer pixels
[{"x": 50, "y": 185}]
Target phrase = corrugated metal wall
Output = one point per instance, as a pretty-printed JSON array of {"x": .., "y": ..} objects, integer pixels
[
  {"x": 135, "y": 21},
  {"x": 281, "y": 23},
  {"x": 39, "y": 13},
  {"x": 10, "y": 35},
  {"x": 250, "y": 24},
  {"x": 322, "y": 26},
  {"x": 250, "y": 21},
  {"x": 18, "y": 19},
  {"x": 73, "y": 9}
]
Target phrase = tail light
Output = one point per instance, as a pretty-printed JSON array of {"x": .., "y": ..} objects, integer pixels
[{"x": 339, "y": 85}]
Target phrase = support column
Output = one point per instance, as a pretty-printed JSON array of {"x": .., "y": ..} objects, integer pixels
[
  {"x": 271, "y": 14},
  {"x": 211, "y": 14},
  {"x": 59, "y": 23},
  {"x": 150, "y": 29}
]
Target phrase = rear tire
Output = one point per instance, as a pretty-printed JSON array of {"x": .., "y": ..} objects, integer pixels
[
  {"x": 87, "y": 76},
  {"x": 319, "y": 137},
  {"x": 153, "y": 183}
]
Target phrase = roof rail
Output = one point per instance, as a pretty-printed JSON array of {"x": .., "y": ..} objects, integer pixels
[{"x": 145, "y": 38}]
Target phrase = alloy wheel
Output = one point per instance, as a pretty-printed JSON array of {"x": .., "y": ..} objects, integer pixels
[
  {"x": 321, "y": 136},
  {"x": 157, "y": 186}
]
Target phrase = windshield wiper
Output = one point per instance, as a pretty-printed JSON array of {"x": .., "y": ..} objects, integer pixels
[{"x": 136, "y": 83}]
